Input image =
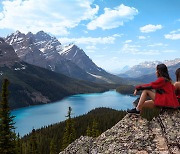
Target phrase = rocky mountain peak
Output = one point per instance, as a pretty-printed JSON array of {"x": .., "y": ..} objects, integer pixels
[
  {"x": 29, "y": 35},
  {"x": 15, "y": 38},
  {"x": 78, "y": 56},
  {"x": 42, "y": 36},
  {"x": 1, "y": 40},
  {"x": 46, "y": 51},
  {"x": 134, "y": 135}
]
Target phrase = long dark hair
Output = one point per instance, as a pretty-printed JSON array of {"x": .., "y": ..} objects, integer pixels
[
  {"x": 163, "y": 71},
  {"x": 178, "y": 74}
]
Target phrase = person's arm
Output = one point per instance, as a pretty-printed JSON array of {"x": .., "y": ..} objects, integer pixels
[
  {"x": 177, "y": 86},
  {"x": 153, "y": 85}
]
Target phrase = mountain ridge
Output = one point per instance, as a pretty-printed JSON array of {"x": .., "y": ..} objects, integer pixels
[
  {"x": 147, "y": 67},
  {"x": 43, "y": 50}
]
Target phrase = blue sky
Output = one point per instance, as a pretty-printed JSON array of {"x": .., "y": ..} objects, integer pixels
[{"x": 113, "y": 33}]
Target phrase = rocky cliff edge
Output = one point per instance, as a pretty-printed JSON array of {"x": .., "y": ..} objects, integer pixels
[{"x": 134, "y": 135}]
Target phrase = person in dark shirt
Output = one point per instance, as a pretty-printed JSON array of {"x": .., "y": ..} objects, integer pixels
[
  {"x": 161, "y": 92},
  {"x": 177, "y": 84}
]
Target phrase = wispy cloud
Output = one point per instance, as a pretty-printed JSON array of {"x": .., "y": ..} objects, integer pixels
[
  {"x": 142, "y": 37},
  {"x": 150, "y": 28},
  {"x": 118, "y": 35},
  {"x": 127, "y": 48},
  {"x": 157, "y": 44},
  {"x": 113, "y": 18},
  {"x": 54, "y": 16},
  {"x": 170, "y": 51},
  {"x": 173, "y": 35},
  {"x": 91, "y": 48},
  {"x": 128, "y": 41},
  {"x": 89, "y": 40},
  {"x": 137, "y": 49}
]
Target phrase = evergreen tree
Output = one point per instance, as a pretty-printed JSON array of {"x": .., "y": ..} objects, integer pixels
[
  {"x": 18, "y": 145},
  {"x": 88, "y": 131},
  {"x": 69, "y": 132},
  {"x": 33, "y": 144},
  {"x": 95, "y": 131},
  {"x": 53, "y": 148},
  {"x": 7, "y": 135}
]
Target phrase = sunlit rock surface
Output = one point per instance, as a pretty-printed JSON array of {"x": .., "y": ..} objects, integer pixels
[{"x": 134, "y": 135}]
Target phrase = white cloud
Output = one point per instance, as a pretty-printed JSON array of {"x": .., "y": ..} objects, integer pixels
[
  {"x": 127, "y": 48},
  {"x": 141, "y": 37},
  {"x": 1, "y": 16},
  {"x": 157, "y": 44},
  {"x": 150, "y": 28},
  {"x": 175, "y": 31},
  {"x": 136, "y": 49},
  {"x": 118, "y": 35},
  {"x": 173, "y": 35},
  {"x": 89, "y": 40},
  {"x": 91, "y": 48},
  {"x": 169, "y": 51},
  {"x": 128, "y": 41},
  {"x": 113, "y": 18},
  {"x": 53, "y": 16}
]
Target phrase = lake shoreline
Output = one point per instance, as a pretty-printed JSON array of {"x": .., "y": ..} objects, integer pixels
[
  {"x": 61, "y": 99},
  {"x": 37, "y": 116}
]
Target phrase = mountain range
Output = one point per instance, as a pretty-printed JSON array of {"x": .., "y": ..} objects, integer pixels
[
  {"x": 45, "y": 51},
  {"x": 31, "y": 85},
  {"x": 145, "y": 72},
  {"x": 152, "y": 77}
]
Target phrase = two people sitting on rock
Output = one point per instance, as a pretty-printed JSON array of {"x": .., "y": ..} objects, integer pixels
[{"x": 161, "y": 91}]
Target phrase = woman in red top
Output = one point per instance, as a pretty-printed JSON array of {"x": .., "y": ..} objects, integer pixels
[
  {"x": 177, "y": 84},
  {"x": 164, "y": 94}
]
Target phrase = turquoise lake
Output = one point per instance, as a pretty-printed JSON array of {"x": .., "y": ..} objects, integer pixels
[{"x": 41, "y": 115}]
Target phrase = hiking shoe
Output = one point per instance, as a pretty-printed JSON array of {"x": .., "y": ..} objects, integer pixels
[{"x": 133, "y": 111}]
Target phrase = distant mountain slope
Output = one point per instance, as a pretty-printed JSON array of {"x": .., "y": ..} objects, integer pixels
[
  {"x": 42, "y": 50},
  {"x": 32, "y": 85},
  {"x": 78, "y": 56},
  {"x": 7, "y": 55},
  {"x": 147, "y": 68},
  {"x": 152, "y": 77}
]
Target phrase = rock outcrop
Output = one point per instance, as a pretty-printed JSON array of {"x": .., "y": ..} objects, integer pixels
[{"x": 134, "y": 135}]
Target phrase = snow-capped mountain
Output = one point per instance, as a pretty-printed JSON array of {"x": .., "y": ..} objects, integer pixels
[
  {"x": 31, "y": 85},
  {"x": 146, "y": 68},
  {"x": 78, "y": 56},
  {"x": 45, "y": 51}
]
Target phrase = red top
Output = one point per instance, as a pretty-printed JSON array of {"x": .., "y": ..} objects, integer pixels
[{"x": 165, "y": 93}]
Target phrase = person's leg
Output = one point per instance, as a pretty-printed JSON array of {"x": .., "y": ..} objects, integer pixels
[
  {"x": 148, "y": 104},
  {"x": 143, "y": 102}
]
